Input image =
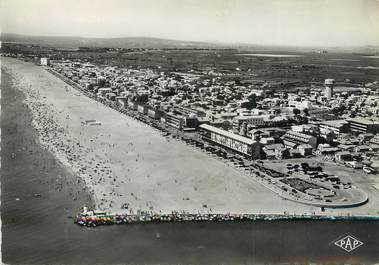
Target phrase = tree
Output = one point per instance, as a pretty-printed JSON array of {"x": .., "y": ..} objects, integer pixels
[
  {"x": 296, "y": 111},
  {"x": 306, "y": 112},
  {"x": 252, "y": 101},
  {"x": 338, "y": 110}
]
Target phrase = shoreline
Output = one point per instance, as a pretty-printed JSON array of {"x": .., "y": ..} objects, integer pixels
[
  {"x": 38, "y": 123},
  {"x": 32, "y": 138},
  {"x": 39, "y": 196}
]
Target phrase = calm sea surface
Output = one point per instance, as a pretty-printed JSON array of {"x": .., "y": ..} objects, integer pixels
[{"x": 40, "y": 230}]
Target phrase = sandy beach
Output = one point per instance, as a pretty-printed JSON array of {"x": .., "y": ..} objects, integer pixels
[{"x": 126, "y": 163}]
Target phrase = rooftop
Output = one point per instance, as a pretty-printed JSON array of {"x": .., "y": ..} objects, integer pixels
[
  {"x": 334, "y": 123},
  {"x": 297, "y": 134},
  {"x": 364, "y": 121},
  {"x": 227, "y": 134}
]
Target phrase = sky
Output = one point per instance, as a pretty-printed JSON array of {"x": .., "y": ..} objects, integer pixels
[{"x": 266, "y": 22}]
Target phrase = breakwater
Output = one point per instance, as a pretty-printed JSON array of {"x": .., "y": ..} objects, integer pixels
[{"x": 95, "y": 218}]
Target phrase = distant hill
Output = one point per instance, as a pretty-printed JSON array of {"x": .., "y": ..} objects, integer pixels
[
  {"x": 145, "y": 42},
  {"x": 127, "y": 42}
]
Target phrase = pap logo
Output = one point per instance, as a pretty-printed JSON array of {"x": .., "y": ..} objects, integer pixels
[{"x": 348, "y": 243}]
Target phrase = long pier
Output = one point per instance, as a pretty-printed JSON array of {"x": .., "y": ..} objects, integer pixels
[{"x": 96, "y": 218}]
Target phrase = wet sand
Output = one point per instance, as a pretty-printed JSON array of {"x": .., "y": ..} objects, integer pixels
[
  {"x": 38, "y": 230},
  {"x": 123, "y": 161}
]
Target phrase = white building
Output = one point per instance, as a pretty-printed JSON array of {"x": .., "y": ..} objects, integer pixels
[
  {"x": 329, "y": 84},
  {"x": 301, "y": 105},
  {"x": 45, "y": 61}
]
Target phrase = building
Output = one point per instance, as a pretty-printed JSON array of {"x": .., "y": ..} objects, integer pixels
[
  {"x": 110, "y": 96},
  {"x": 248, "y": 120},
  {"x": 310, "y": 129},
  {"x": 329, "y": 85},
  {"x": 190, "y": 122},
  {"x": 343, "y": 156},
  {"x": 335, "y": 126},
  {"x": 301, "y": 105},
  {"x": 132, "y": 104},
  {"x": 274, "y": 151},
  {"x": 232, "y": 141},
  {"x": 154, "y": 113},
  {"x": 122, "y": 101},
  {"x": 292, "y": 139},
  {"x": 267, "y": 140},
  {"x": 174, "y": 120},
  {"x": 295, "y": 153},
  {"x": 305, "y": 149},
  {"x": 361, "y": 125},
  {"x": 189, "y": 111},
  {"x": 375, "y": 139},
  {"x": 142, "y": 109},
  {"x": 103, "y": 91},
  {"x": 326, "y": 149},
  {"x": 45, "y": 61}
]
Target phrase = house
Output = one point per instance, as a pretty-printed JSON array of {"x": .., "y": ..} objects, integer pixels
[
  {"x": 110, "y": 96},
  {"x": 362, "y": 148},
  {"x": 277, "y": 151},
  {"x": 132, "y": 104},
  {"x": 305, "y": 149},
  {"x": 292, "y": 139},
  {"x": 45, "y": 61},
  {"x": 142, "y": 109},
  {"x": 267, "y": 140},
  {"x": 335, "y": 126},
  {"x": 326, "y": 149},
  {"x": 103, "y": 91},
  {"x": 343, "y": 156},
  {"x": 235, "y": 142},
  {"x": 364, "y": 137},
  {"x": 122, "y": 101},
  {"x": 360, "y": 125},
  {"x": 295, "y": 153}
]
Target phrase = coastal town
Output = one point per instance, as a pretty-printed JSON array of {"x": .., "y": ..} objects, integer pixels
[
  {"x": 294, "y": 143},
  {"x": 336, "y": 122}
]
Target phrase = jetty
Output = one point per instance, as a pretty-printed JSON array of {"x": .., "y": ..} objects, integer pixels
[{"x": 93, "y": 218}]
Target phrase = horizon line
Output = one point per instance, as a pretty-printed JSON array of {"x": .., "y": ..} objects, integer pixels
[{"x": 215, "y": 42}]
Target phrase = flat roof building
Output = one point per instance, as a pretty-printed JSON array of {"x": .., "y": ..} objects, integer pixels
[
  {"x": 232, "y": 141},
  {"x": 173, "y": 120},
  {"x": 291, "y": 139},
  {"x": 45, "y": 61},
  {"x": 335, "y": 126},
  {"x": 363, "y": 125}
]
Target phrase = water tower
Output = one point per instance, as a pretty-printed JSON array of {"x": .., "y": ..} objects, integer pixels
[{"x": 329, "y": 84}]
